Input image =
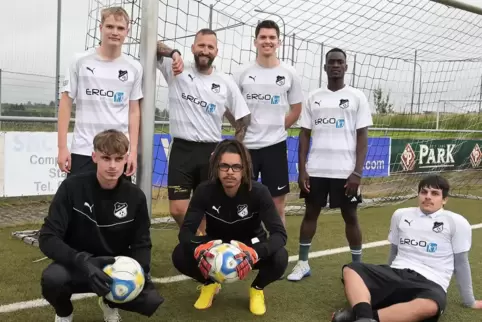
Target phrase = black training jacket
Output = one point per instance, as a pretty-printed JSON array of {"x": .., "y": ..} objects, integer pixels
[{"x": 83, "y": 217}]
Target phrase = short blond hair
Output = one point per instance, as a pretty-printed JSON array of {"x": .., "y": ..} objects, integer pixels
[
  {"x": 111, "y": 142},
  {"x": 116, "y": 11}
]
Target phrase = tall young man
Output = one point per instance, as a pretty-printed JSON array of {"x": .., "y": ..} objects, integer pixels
[
  {"x": 428, "y": 245},
  {"x": 337, "y": 119},
  {"x": 198, "y": 99},
  {"x": 106, "y": 86},
  {"x": 272, "y": 90},
  {"x": 94, "y": 217},
  {"x": 236, "y": 208}
]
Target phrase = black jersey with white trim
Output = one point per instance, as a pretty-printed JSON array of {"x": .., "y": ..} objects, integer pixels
[{"x": 238, "y": 218}]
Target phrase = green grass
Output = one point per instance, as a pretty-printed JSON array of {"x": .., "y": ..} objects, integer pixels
[{"x": 312, "y": 299}]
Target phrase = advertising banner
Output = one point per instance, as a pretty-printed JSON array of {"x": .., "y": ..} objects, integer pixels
[
  {"x": 435, "y": 155},
  {"x": 30, "y": 163}
]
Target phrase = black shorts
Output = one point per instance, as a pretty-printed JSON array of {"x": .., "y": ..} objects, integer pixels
[
  {"x": 321, "y": 188},
  {"x": 389, "y": 286},
  {"x": 272, "y": 163},
  {"x": 188, "y": 167},
  {"x": 84, "y": 164}
]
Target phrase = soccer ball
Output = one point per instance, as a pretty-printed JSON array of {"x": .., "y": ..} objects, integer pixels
[
  {"x": 128, "y": 279},
  {"x": 223, "y": 264}
]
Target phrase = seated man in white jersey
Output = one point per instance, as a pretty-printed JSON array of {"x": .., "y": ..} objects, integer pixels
[
  {"x": 336, "y": 117},
  {"x": 271, "y": 89},
  {"x": 198, "y": 99},
  {"x": 428, "y": 244},
  {"x": 106, "y": 86}
]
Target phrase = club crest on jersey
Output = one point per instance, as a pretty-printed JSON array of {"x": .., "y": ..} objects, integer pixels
[
  {"x": 280, "y": 80},
  {"x": 215, "y": 88},
  {"x": 123, "y": 76},
  {"x": 438, "y": 227},
  {"x": 120, "y": 209},
  {"x": 242, "y": 210},
  {"x": 344, "y": 103}
]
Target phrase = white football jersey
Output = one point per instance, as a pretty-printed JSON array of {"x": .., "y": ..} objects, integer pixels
[
  {"x": 197, "y": 102},
  {"x": 269, "y": 92},
  {"x": 333, "y": 118},
  {"x": 427, "y": 243},
  {"x": 101, "y": 91}
]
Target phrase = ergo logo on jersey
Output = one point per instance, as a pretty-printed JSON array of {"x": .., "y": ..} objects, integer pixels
[
  {"x": 339, "y": 123},
  {"x": 274, "y": 99},
  {"x": 117, "y": 96},
  {"x": 429, "y": 247},
  {"x": 210, "y": 108}
]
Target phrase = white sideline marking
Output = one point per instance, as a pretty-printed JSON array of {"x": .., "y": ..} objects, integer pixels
[{"x": 178, "y": 278}]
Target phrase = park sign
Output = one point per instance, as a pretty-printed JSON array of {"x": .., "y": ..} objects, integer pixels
[{"x": 434, "y": 155}]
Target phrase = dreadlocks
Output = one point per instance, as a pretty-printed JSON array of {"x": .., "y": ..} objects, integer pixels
[{"x": 231, "y": 146}]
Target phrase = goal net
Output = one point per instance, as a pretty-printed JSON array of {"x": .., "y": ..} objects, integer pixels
[{"x": 417, "y": 61}]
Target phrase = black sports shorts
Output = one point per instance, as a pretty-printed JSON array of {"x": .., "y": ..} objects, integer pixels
[
  {"x": 321, "y": 188},
  {"x": 272, "y": 163},
  {"x": 188, "y": 167},
  {"x": 389, "y": 286}
]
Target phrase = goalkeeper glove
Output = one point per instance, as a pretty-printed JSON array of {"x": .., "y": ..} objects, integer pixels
[
  {"x": 92, "y": 267},
  {"x": 202, "y": 252},
  {"x": 249, "y": 259}
]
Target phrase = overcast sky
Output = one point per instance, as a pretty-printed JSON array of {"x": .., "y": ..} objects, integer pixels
[{"x": 28, "y": 42}]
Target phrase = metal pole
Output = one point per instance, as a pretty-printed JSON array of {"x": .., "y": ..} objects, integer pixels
[
  {"x": 147, "y": 53},
  {"x": 354, "y": 70},
  {"x": 293, "y": 50},
  {"x": 480, "y": 94},
  {"x": 211, "y": 16},
  {"x": 321, "y": 65},
  {"x": 57, "y": 58},
  {"x": 461, "y": 5},
  {"x": 0, "y": 96},
  {"x": 419, "y": 88},
  {"x": 413, "y": 81}
]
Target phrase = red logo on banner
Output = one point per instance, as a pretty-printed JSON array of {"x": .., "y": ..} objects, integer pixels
[
  {"x": 475, "y": 156},
  {"x": 408, "y": 158}
]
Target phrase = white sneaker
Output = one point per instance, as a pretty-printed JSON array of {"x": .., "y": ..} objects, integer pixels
[
  {"x": 64, "y": 319},
  {"x": 110, "y": 314},
  {"x": 301, "y": 270}
]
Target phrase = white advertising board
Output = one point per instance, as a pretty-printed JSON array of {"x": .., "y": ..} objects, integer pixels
[{"x": 30, "y": 163}]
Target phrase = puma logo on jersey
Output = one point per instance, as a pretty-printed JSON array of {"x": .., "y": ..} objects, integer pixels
[
  {"x": 408, "y": 222},
  {"x": 91, "y": 70},
  {"x": 89, "y": 206},
  {"x": 217, "y": 209},
  {"x": 318, "y": 103},
  {"x": 253, "y": 78},
  {"x": 191, "y": 77}
]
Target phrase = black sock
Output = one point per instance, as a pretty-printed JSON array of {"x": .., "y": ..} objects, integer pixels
[
  {"x": 363, "y": 310},
  {"x": 375, "y": 316}
]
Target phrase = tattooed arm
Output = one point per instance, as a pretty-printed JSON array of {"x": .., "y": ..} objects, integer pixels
[
  {"x": 240, "y": 125},
  {"x": 165, "y": 51}
]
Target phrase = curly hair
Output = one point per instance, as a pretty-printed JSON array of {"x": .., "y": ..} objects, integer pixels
[{"x": 231, "y": 146}]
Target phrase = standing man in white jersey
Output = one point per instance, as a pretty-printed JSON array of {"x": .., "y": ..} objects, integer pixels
[
  {"x": 336, "y": 118},
  {"x": 107, "y": 87},
  {"x": 272, "y": 90},
  {"x": 428, "y": 245},
  {"x": 198, "y": 99}
]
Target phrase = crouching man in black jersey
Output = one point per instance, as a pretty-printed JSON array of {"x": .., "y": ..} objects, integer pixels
[
  {"x": 235, "y": 209},
  {"x": 92, "y": 218}
]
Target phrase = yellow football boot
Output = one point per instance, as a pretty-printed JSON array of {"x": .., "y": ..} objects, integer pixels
[
  {"x": 256, "y": 301},
  {"x": 206, "y": 297}
]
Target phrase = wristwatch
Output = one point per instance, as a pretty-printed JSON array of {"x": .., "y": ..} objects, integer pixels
[{"x": 175, "y": 51}]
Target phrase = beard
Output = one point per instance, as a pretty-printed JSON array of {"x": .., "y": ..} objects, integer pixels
[{"x": 203, "y": 66}]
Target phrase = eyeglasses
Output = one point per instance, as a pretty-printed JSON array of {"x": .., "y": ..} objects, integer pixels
[{"x": 235, "y": 167}]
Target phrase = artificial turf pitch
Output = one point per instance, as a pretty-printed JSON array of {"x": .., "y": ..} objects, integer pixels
[{"x": 312, "y": 299}]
